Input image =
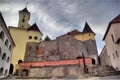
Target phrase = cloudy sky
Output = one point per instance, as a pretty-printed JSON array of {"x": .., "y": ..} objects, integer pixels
[{"x": 57, "y": 17}]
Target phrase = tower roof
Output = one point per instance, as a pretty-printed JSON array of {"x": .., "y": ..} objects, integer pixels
[
  {"x": 24, "y": 10},
  {"x": 34, "y": 27},
  {"x": 115, "y": 20},
  {"x": 74, "y": 32},
  {"x": 87, "y": 29}
]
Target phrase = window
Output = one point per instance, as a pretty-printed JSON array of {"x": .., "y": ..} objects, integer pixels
[
  {"x": 6, "y": 43},
  {"x": 30, "y": 37},
  {"x": 20, "y": 61},
  {"x": 6, "y": 72},
  {"x": 112, "y": 38},
  {"x": 0, "y": 52},
  {"x": 116, "y": 54},
  {"x": 10, "y": 47},
  {"x": 1, "y": 71},
  {"x": 8, "y": 59},
  {"x": 4, "y": 56},
  {"x": 89, "y": 35},
  {"x": 36, "y": 47},
  {"x": 113, "y": 55},
  {"x": 2, "y": 35},
  {"x": 35, "y": 37},
  {"x": 23, "y": 20}
]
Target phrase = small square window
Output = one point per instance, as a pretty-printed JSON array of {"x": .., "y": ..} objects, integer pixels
[
  {"x": 35, "y": 37},
  {"x": 30, "y": 37}
]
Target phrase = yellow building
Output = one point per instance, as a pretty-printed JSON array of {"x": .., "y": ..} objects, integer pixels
[
  {"x": 86, "y": 34},
  {"x": 21, "y": 35}
]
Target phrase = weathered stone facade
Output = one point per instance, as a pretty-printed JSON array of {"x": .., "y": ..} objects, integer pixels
[
  {"x": 104, "y": 58},
  {"x": 63, "y": 48},
  {"x": 57, "y": 71},
  {"x": 6, "y": 48},
  {"x": 49, "y": 69}
]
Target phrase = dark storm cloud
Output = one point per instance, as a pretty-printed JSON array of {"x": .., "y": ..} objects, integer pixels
[{"x": 57, "y": 17}]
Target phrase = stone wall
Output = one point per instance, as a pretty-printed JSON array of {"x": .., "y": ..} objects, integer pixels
[
  {"x": 59, "y": 71},
  {"x": 104, "y": 58}
]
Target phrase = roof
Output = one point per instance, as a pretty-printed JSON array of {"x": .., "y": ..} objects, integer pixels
[
  {"x": 74, "y": 32},
  {"x": 87, "y": 29},
  {"x": 6, "y": 28},
  {"x": 115, "y": 20},
  {"x": 34, "y": 27},
  {"x": 24, "y": 10}
]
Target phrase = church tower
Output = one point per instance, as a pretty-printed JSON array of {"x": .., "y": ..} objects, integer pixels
[
  {"x": 90, "y": 42},
  {"x": 21, "y": 35},
  {"x": 24, "y": 16}
]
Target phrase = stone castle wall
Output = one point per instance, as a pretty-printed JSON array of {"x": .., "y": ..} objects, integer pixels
[
  {"x": 59, "y": 71},
  {"x": 63, "y": 48}
]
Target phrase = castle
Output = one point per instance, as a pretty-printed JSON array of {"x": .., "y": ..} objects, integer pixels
[{"x": 62, "y": 56}]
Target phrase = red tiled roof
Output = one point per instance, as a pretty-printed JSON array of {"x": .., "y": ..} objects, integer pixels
[
  {"x": 74, "y": 32},
  {"x": 115, "y": 20},
  {"x": 34, "y": 27},
  {"x": 56, "y": 63}
]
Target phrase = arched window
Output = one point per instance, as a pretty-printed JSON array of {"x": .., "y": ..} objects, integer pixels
[
  {"x": 8, "y": 59},
  {"x": 6, "y": 71},
  {"x": 1, "y": 71},
  {"x": 93, "y": 61},
  {"x": 4, "y": 56},
  {"x": 11, "y": 68},
  {"x": 2, "y": 35},
  {"x": 10, "y": 47},
  {"x": 6, "y": 42},
  {"x": 20, "y": 61},
  {"x": 0, "y": 52}
]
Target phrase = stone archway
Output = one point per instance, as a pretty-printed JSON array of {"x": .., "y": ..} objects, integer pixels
[
  {"x": 11, "y": 68},
  {"x": 25, "y": 72}
]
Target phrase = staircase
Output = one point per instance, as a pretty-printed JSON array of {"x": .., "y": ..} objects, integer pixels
[{"x": 102, "y": 71}]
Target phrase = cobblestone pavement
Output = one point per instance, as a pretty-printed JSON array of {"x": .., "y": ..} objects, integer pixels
[{"x": 114, "y": 77}]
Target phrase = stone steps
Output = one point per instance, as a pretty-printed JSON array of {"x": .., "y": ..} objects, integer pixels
[{"x": 102, "y": 71}]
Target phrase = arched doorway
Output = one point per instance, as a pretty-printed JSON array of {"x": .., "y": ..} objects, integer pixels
[
  {"x": 11, "y": 69},
  {"x": 93, "y": 61},
  {"x": 20, "y": 61},
  {"x": 25, "y": 72}
]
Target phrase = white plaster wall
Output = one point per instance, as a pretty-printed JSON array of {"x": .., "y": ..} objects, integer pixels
[{"x": 5, "y": 49}]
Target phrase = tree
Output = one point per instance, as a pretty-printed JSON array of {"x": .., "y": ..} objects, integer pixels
[{"x": 47, "y": 38}]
